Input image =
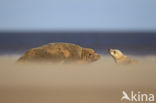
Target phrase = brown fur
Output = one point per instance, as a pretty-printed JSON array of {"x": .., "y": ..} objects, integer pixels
[
  {"x": 120, "y": 58},
  {"x": 59, "y": 52}
]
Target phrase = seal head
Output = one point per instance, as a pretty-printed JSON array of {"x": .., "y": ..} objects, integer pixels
[
  {"x": 120, "y": 58},
  {"x": 89, "y": 55}
]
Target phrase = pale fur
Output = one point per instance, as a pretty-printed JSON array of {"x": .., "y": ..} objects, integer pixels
[{"x": 120, "y": 58}]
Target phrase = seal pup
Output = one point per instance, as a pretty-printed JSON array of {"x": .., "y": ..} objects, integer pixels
[
  {"x": 60, "y": 52},
  {"x": 120, "y": 58}
]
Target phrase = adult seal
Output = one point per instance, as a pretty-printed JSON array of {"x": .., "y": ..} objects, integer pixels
[{"x": 60, "y": 52}]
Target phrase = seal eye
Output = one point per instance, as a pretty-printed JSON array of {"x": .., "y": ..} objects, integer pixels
[
  {"x": 114, "y": 52},
  {"x": 89, "y": 54}
]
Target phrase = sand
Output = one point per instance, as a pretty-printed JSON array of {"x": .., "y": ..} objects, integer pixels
[{"x": 99, "y": 82}]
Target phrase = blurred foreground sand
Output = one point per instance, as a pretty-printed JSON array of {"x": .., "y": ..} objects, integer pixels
[{"x": 99, "y": 82}]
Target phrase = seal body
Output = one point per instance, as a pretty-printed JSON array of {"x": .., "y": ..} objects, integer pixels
[
  {"x": 59, "y": 52},
  {"x": 120, "y": 58}
]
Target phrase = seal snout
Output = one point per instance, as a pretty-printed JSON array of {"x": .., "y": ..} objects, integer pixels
[
  {"x": 110, "y": 51},
  {"x": 95, "y": 57}
]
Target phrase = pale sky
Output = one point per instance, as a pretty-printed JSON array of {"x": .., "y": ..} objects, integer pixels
[{"x": 70, "y": 15}]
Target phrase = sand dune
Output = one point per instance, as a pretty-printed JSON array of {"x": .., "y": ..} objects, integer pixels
[{"x": 99, "y": 82}]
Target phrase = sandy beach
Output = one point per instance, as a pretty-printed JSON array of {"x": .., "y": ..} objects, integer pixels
[
  {"x": 80, "y": 31},
  {"x": 100, "y": 82}
]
